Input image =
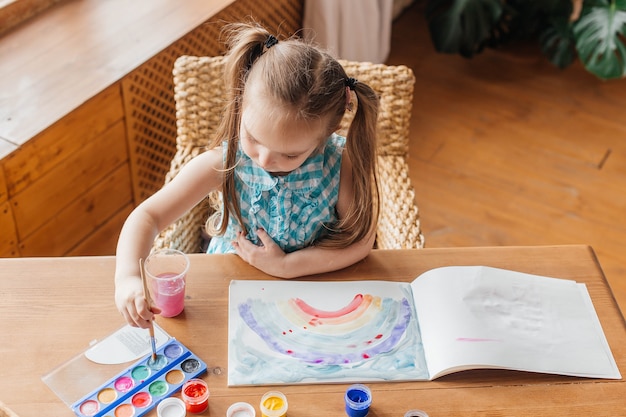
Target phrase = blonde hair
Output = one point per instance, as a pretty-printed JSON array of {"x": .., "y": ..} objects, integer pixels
[{"x": 312, "y": 84}]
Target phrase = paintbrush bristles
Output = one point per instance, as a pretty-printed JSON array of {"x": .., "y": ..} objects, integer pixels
[{"x": 152, "y": 342}]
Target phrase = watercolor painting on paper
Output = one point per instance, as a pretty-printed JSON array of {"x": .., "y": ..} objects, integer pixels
[
  {"x": 301, "y": 332},
  {"x": 447, "y": 320}
]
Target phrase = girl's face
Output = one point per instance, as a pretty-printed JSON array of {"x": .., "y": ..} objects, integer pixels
[{"x": 274, "y": 142}]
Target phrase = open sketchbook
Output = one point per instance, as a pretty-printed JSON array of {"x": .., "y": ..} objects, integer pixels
[{"x": 447, "y": 320}]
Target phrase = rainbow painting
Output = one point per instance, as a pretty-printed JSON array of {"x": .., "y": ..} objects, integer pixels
[{"x": 286, "y": 332}]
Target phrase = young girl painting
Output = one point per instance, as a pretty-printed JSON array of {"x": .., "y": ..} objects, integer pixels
[{"x": 298, "y": 199}]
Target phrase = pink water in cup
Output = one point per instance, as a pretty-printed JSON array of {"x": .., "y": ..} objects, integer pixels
[{"x": 166, "y": 271}]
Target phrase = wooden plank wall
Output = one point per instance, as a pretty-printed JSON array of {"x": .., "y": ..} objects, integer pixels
[
  {"x": 8, "y": 237},
  {"x": 68, "y": 190},
  {"x": 65, "y": 183}
]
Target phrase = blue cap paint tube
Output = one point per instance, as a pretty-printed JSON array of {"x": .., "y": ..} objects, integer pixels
[{"x": 358, "y": 400}]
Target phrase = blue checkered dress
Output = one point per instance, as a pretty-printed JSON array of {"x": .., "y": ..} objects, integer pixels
[{"x": 294, "y": 209}]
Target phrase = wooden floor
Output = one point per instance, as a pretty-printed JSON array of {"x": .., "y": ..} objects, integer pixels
[{"x": 508, "y": 150}]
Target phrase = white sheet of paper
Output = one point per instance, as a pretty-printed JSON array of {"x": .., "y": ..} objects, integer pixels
[
  {"x": 125, "y": 345},
  {"x": 511, "y": 320}
]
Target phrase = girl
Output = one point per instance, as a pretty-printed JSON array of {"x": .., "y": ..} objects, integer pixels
[{"x": 298, "y": 199}]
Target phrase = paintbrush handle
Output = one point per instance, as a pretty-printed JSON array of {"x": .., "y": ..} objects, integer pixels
[
  {"x": 146, "y": 296},
  {"x": 152, "y": 340}
]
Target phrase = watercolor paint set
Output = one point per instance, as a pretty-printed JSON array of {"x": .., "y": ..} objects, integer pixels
[
  {"x": 118, "y": 376},
  {"x": 140, "y": 387}
]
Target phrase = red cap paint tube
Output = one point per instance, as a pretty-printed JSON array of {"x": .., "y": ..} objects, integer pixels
[
  {"x": 195, "y": 394},
  {"x": 358, "y": 400}
]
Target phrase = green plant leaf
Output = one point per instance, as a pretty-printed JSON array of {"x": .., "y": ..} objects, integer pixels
[
  {"x": 462, "y": 26},
  {"x": 533, "y": 17},
  {"x": 558, "y": 42},
  {"x": 600, "y": 35}
]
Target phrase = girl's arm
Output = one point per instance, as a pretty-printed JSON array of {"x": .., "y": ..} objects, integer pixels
[
  {"x": 270, "y": 259},
  {"x": 193, "y": 183}
]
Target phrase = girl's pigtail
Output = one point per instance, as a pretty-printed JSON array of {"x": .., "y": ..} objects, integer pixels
[
  {"x": 245, "y": 43},
  {"x": 361, "y": 148}
]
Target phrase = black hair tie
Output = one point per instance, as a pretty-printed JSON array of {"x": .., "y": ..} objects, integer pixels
[
  {"x": 351, "y": 83},
  {"x": 270, "y": 41}
]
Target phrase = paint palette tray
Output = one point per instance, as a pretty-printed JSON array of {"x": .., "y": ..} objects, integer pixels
[
  {"x": 132, "y": 391},
  {"x": 143, "y": 385}
]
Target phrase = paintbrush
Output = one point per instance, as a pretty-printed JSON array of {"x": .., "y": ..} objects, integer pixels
[{"x": 146, "y": 295}]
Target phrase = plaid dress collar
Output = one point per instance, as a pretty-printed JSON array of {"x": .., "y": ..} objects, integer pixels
[{"x": 304, "y": 178}]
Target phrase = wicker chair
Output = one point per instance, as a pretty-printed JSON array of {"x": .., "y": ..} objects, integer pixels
[{"x": 199, "y": 99}]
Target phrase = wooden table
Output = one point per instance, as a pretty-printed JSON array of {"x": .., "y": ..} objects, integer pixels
[{"x": 51, "y": 308}]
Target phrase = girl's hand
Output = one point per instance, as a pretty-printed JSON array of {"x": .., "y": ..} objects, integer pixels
[
  {"x": 269, "y": 258},
  {"x": 130, "y": 301}
]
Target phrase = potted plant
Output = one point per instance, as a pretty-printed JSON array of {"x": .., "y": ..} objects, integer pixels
[{"x": 593, "y": 31}]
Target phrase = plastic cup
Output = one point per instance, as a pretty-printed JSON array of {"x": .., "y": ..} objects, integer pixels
[
  {"x": 273, "y": 404},
  {"x": 358, "y": 399},
  {"x": 166, "y": 271}
]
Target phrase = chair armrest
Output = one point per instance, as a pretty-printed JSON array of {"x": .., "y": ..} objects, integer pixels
[
  {"x": 187, "y": 233},
  {"x": 399, "y": 222}
]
